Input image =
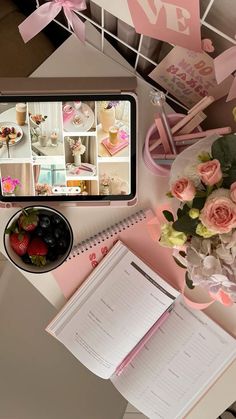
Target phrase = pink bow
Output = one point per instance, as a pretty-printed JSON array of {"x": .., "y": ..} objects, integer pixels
[
  {"x": 44, "y": 14},
  {"x": 225, "y": 64}
]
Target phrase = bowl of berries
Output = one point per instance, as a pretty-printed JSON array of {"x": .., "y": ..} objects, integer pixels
[{"x": 38, "y": 239}]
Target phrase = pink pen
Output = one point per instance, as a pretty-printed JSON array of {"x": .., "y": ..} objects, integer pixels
[
  {"x": 164, "y": 156},
  {"x": 129, "y": 358}
]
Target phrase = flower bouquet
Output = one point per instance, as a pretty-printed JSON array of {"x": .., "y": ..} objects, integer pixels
[
  {"x": 10, "y": 185},
  {"x": 77, "y": 149},
  {"x": 76, "y": 146},
  {"x": 43, "y": 189},
  {"x": 203, "y": 232},
  {"x": 105, "y": 180}
]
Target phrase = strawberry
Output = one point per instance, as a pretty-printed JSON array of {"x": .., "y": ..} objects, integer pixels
[
  {"x": 19, "y": 243},
  {"x": 37, "y": 250},
  {"x": 28, "y": 221}
]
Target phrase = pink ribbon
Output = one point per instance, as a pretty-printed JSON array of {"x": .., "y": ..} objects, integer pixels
[
  {"x": 225, "y": 65},
  {"x": 44, "y": 14}
]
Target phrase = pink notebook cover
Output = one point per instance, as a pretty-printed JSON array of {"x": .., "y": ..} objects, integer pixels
[{"x": 135, "y": 234}]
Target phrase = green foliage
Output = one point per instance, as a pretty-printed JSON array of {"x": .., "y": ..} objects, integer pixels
[
  {"x": 168, "y": 215},
  {"x": 200, "y": 194},
  {"x": 38, "y": 260},
  {"x": 210, "y": 189},
  {"x": 204, "y": 157},
  {"x": 199, "y": 202},
  {"x": 182, "y": 211},
  {"x": 186, "y": 225},
  {"x": 13, "y": 228},
  {"x": 220, "y": 183},
  {"x": 179, "y": 212},
  {"x": 224, "y": 149}
]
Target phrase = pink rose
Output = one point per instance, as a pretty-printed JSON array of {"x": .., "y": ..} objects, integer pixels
[
  {"x": 219, "y": 214},
  {"x": 233, "y": 192},
  {"x": 210, "y": 172},
  {"x": 183, "y": 189}
]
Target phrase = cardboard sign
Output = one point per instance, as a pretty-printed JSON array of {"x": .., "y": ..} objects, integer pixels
[
  {"x": 189, "y": 76},
  {"x": 173, "y": 21}
]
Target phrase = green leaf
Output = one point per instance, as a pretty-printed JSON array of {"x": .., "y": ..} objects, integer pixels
[
  {"x": 38, "y": 260},
  {"x": 182, "y": 211},
  {"x": 179, "y": 263},
  {"x": 189, "y": 282},
  {"x": 179, "y": 212},
  {"x": 168, "y": 215},
  {"x": 199, "y": 202},
  {"x": 186, "y": 224},
  {"x": 20, "y": 236},
  {"x": 204, "y": 157},
  {"x": 13, "y": 228},
  {"x": 7, "y": 231},
  {"x": 201, "y": 194},
  {"x": 224, "y": 149},
  {"x": 220, "y": 183},
  {"x": 169, "y": 194},
  {"x": 32, "y": 211},
  {"x": 210, "y": 189},
  {"x": 185, "y": 209}
]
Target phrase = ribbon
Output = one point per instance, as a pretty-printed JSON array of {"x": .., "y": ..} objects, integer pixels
[
  {"x": 44, "y": 14},
  {"x": 225, "y": 65}
]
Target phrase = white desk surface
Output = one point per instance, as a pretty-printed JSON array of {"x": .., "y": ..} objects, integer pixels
[
  {"x": 48, "y": 150},
  {"x": 75, "y": 59}
]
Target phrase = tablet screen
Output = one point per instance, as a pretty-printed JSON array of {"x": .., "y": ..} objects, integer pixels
[{"x": 70, "y": 148}]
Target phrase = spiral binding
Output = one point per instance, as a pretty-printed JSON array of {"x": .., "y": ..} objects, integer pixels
[{"x": 109, "y": 232}]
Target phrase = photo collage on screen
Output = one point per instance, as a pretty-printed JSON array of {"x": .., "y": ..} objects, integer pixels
[{"x": 65, "y": 148}]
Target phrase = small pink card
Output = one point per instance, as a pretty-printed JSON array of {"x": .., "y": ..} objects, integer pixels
[
  {"x": 113, "y": 149},
  {"x": 173, "y": 21},
  {"x": 189, "y": 76}
]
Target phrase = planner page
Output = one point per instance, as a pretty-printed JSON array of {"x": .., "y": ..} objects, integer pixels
[
  {"x": 129, "y": 299},
  {"x": 177, "y": 365}
]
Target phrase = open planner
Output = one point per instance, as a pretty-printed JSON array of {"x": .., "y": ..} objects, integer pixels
[{"x": 108, "y": 323}]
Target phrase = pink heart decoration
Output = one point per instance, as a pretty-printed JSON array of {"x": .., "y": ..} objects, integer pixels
[{"x": 207, "y": 45}]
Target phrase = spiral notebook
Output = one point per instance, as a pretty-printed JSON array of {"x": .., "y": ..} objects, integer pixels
[
  {"x": 108, "y": 325},
  {"x": 133, "y": 231}
]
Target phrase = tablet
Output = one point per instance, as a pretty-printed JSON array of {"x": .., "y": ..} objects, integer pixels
[{"x": 68, "y": 147}]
